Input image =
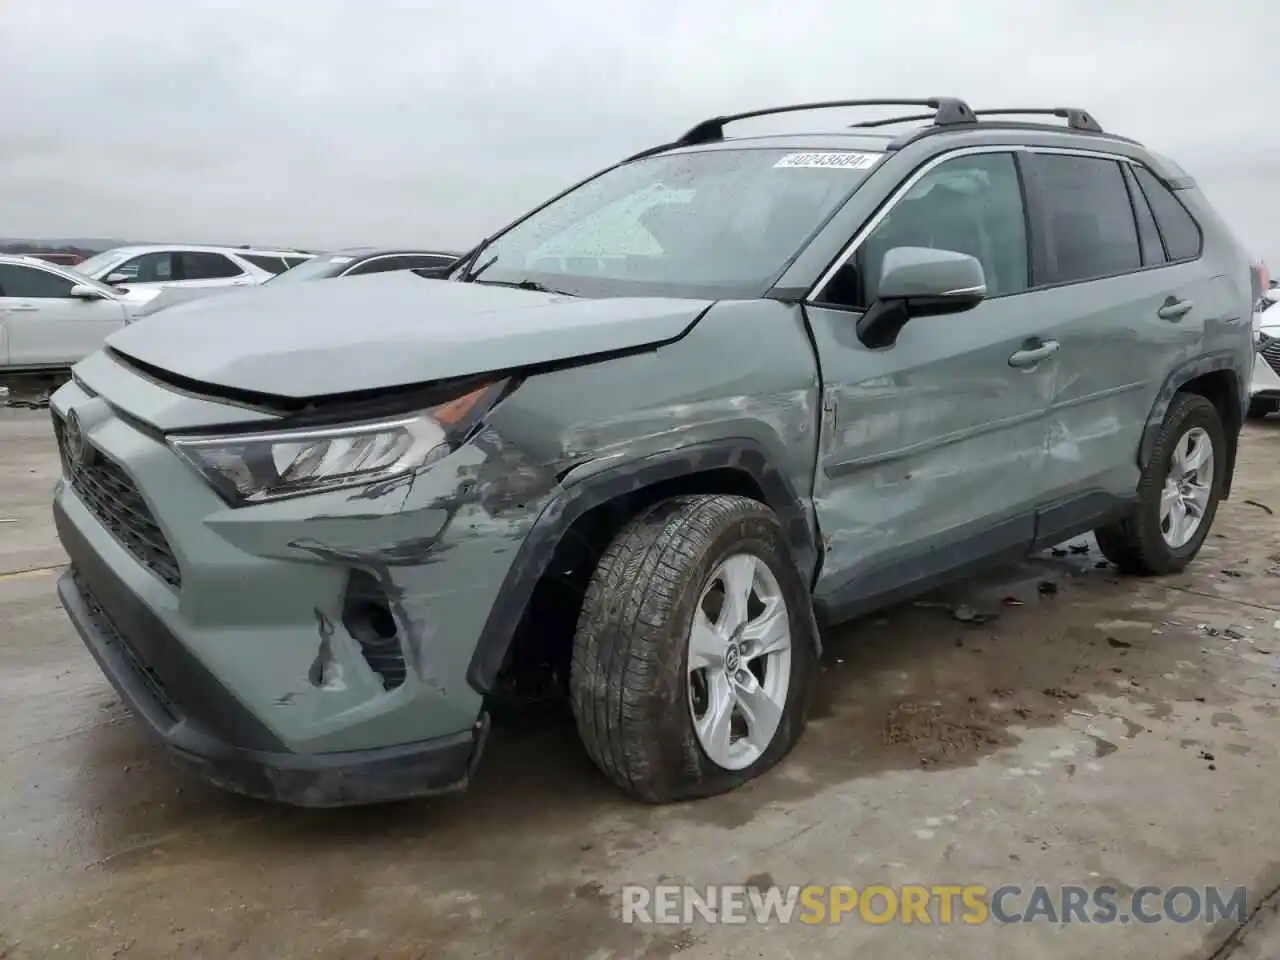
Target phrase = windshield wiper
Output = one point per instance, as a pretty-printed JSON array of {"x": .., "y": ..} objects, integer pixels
[
  {"x": 471, "y": 277},
  {"x": 527, "y": 285},
  {"x": 467, "y": 260}
]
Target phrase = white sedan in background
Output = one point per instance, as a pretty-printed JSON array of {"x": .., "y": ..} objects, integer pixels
[{"x": 51, "y": 316}]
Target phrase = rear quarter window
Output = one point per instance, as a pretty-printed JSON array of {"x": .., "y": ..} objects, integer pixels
[
  {"x": 269, "y": 264},
  {"x": 1178, "y": 227},
  {"x": 1148, "y": 233}
]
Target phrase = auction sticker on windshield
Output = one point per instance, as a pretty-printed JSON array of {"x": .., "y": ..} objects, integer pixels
[{"x": 842, "y": 160}]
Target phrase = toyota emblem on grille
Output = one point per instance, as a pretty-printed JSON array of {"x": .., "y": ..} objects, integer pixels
[{"x": 73, "y": 440}]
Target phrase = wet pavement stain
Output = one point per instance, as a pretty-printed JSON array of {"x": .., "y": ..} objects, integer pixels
[
  {"x": 1103, "y": 748},
  {"x": 1131, "y": 728}
]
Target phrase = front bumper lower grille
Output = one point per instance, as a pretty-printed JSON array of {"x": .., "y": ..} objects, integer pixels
[
  {"x": 113, "y": 498},
  {"x": 1269, "y": 347},
  {"x": 106, "y": 626}
]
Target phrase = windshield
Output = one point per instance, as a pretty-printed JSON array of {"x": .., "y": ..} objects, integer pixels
[
  {"x": 718, "y": 223},
  {"x": 100, "y": 263},
  {"x": 317, "y": 268}
]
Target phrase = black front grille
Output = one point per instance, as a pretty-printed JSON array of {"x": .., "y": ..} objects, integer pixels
[
  {"x": 115, "y": 638},
  {"x": 112, "y": 497},
  {"x": 1270, "y": 350}
]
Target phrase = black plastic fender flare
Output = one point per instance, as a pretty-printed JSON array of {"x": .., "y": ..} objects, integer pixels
[
  {"x": 740, "y": 454},
  {"x": 1175, "y": 381}
]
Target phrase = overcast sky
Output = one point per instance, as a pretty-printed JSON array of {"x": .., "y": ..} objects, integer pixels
[{"x": 322, "y": 123}]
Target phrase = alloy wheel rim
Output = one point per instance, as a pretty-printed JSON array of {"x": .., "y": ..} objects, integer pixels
[
  {"x": 739, "y": 661},
  {"x": 1188, "y": 485}
]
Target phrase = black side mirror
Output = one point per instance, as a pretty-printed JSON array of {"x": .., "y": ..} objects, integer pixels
[
  {"x": 920, "y": 282},
  {"x": 434, "y": 273}
]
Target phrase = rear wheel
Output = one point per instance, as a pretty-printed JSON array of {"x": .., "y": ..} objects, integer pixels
[
  {"x": 1177, "y": 495},
  {"x": 696, "y": 650}
]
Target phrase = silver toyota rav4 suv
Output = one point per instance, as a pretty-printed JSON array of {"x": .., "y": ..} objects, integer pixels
[{"x": 656, "y": 434}]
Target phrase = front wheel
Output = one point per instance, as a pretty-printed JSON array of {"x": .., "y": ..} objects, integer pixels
[
  {"x": 1177, "y": 496},
  {"x": 695, "y": 651}
]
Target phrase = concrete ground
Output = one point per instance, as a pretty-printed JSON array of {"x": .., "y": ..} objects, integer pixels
[{"x": 1120, "y": 732}]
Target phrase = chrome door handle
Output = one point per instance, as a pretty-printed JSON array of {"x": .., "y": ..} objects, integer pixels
[
  {"x": 1174, "y": 309},
  {"x": 1033, "y": 355},
  {"x": 23, "y": 308}
]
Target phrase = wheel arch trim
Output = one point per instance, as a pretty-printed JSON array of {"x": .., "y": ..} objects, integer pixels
[
  {"x": 589, "y": 488},
  {"x": 1179, "y": 377}
]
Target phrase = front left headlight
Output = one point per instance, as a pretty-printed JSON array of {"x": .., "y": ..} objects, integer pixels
[{"x": 255, "y": 467}]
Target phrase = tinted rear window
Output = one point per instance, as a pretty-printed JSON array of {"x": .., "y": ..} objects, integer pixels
[
  {"x": 1178, "y": 228},
  {"x": 1091, "y": 229},
  {"x": 1148, "y": 234},
  {"x": 199, "y": 265}
]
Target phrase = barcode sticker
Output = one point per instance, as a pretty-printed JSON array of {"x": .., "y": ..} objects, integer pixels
[{"x": 842, "y": 160}]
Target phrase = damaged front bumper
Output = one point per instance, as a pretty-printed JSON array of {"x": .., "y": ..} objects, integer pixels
[
  {"x": 132, "y": 643},
  {"x": 313, "y": 651}
]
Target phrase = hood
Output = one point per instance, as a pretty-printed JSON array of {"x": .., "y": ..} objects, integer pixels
[{"x": 387, "y": 330}]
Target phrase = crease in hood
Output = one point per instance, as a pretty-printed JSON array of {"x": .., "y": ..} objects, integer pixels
[{"x": 387, "y": 330}]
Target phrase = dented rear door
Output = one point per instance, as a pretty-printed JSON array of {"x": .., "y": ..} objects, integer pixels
[{"x": 1125, "y": 318}]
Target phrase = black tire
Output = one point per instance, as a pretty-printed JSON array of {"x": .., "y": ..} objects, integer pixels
[
  {"x": 1258, "y": 409},
  {"x": 628, "y": 682},
  {"x": 1135, "y": 544}
]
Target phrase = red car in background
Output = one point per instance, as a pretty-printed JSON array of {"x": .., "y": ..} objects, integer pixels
[{"x": 66, "y": 259}]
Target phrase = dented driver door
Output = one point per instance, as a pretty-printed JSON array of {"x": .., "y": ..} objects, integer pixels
[{"x": 932, "y": 453}]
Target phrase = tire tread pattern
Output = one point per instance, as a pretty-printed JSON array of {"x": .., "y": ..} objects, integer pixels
[
  {"x": 629, "y": 650},
  {"x": 1135, "y": 544}
]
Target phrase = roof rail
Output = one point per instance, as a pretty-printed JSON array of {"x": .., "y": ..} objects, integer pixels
[
  {"x": 921, "y": 133},
  {"x": 1076, "y": 118},
  {"x": 948, "y": 112},
  {"x": 890, "y": 121}
]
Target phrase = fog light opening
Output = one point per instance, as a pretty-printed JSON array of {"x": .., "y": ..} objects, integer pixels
[{"x": 367, "y": 615}]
